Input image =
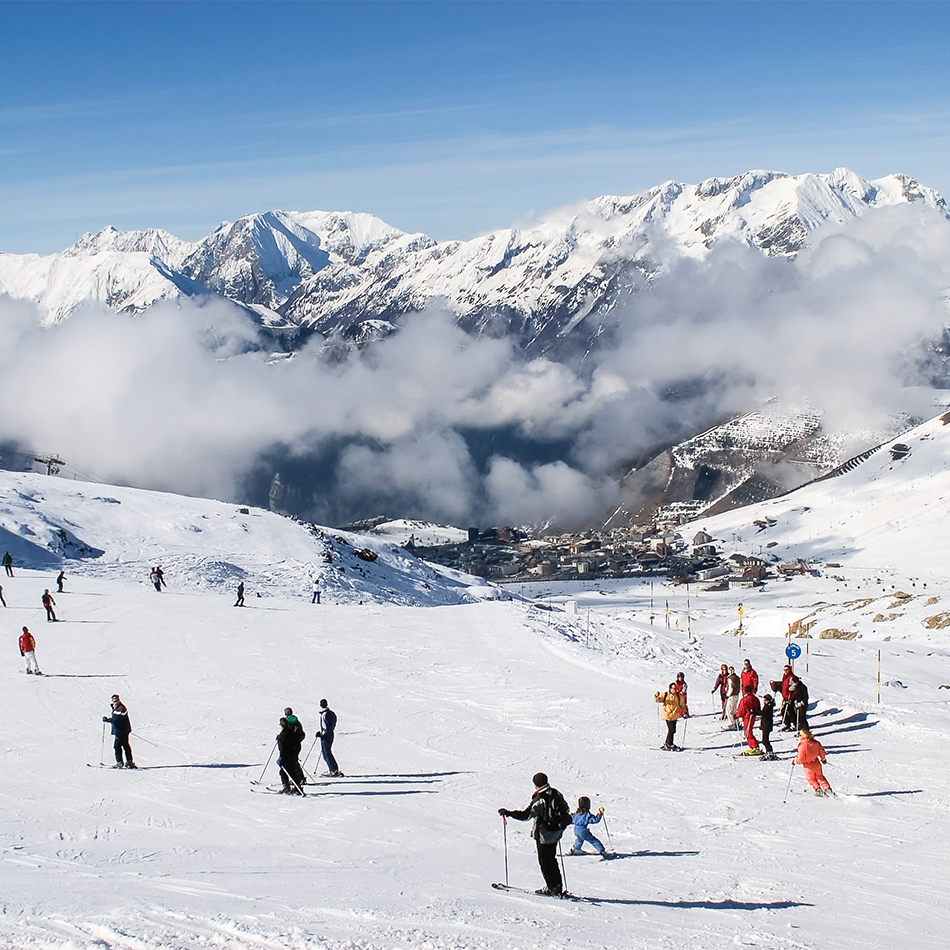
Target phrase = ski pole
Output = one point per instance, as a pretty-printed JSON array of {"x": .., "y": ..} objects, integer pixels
[
  {"x": 504, "y": 823},
  {"x": 787, "y": 787},
  {"x": 307, "y": 756},
  {"x": 261, "y": 779},
  {"x": 563, "y": 869},
  {"x": 102, "y": 748},
  {"x": 149, "y": 741},
  {"x": 685, "y": 724},
  {"x": 607, "y": 832}
]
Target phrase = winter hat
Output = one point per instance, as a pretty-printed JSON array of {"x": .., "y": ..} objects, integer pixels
[
  {"x": 583, "y": 803},
  {"x": 540, "y": 780},
  {"x": 288, "y": 711}
]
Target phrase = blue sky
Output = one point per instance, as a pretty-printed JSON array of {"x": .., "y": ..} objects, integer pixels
[{"x": 445, "y": 117}]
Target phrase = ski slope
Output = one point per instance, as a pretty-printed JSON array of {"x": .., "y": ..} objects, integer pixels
[{"x": 445, "y": 712}]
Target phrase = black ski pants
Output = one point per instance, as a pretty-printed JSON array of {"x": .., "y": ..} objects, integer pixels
[
  {"x": 670, "y": 731},
  {"x": 122, "y": 745},
  {"x": 766, "y": 733},
  {"x": 291, "y": 774},
  {"x": 547, "y": 859}
]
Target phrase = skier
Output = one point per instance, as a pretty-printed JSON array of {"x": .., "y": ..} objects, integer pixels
[
  {"x": 788, "y": 708},
  {"x": 551, "y": 816},
  {"x": 811, "y": 757},
  {"x": 798, "y": 699},
  {"x": 288, "y": 759},
  {"x": 747, "y": 676},
  {"x": 157, "y": 578},
  {"x": 49, "y": 603},
  {"x": 582, "y": 819},
  {"x": 748, "y": 708},
  {"x": 316, "y": 591},
  {"x": 28, "y": 650},
  {"x": 8, "y": 563},
  {"x": 681, "y": 688},
  {"x": 60, "y": 580},
  {"x": 295, "y": 723},
  {"x": 240, "y": 595},
  {"x": 765, "y": 723},
  {"x": 673, "y": 706},
  {"x": 327, "y": 728},
  {"x": 733, "y": 686},
  {"x": 721, "y": 685},
  {"x": 121, "y": 729},
  {"x": 2, "y": 601}
]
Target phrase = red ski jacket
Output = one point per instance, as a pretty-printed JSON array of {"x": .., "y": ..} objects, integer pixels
[
  {"x": 749, "y": 705},
  {"x": 27, "y": 643},
  {"x": 749, "y": 677}
]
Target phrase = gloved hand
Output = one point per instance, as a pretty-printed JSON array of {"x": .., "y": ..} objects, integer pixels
[
  {"x": 105, "y": 718},
  {"x": 503, "y": 812},
  {"x": 600, "y": 812}
]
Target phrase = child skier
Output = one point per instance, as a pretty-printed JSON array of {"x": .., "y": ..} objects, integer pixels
[
  {"x": 811, "y": 757},
  {"x": 582, "y": 819}
]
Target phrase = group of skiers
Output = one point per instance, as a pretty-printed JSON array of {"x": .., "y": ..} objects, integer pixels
[
  {"x": 289, "y": 742},
  {"x": 551, "y": 816}
]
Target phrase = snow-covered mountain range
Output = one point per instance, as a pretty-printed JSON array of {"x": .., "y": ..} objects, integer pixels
[{"x": 353, "y": 276}]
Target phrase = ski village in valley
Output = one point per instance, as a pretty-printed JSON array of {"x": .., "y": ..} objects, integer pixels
[{"x": 549, "y": 552}]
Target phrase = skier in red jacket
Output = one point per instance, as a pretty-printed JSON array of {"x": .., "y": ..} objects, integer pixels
[
  {"x": 28, "y": 650},
  {"x": 749, "y": 677},
  {"x": 748, "y": 708}
]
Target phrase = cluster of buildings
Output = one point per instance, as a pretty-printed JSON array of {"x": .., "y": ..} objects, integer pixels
[{"x": 508, "y": 555}]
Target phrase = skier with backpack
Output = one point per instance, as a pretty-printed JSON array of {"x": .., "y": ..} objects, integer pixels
[
  {"x": 49, "y": 603},
  {"x": 551, "y": 815}
]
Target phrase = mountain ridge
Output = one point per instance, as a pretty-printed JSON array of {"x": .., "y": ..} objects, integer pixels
[{"x": 352, "y": 276}]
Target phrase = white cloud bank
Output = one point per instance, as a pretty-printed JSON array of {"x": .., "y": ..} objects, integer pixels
[{"x": 179, "y": 399}]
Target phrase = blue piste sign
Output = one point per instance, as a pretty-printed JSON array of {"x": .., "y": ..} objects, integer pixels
[{"x": 793, "y": 651}]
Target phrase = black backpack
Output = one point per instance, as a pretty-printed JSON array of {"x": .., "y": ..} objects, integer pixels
[{"x": 557, "y": 815}]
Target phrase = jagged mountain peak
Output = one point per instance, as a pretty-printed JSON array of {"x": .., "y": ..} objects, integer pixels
[
  {"x": 152, "y": 241},
  {"x": 556, "y": 278}
]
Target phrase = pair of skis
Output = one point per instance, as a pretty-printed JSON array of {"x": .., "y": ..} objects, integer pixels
[{"x": 564, "y": 895}]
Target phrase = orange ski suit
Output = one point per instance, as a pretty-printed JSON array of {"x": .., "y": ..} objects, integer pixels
[{"x": 811, "y": 755}]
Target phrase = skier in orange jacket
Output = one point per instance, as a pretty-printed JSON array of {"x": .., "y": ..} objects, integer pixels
[{"x": 811, "y": 757}]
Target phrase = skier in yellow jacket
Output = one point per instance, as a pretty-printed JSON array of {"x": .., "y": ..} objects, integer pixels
[{"x": 674, "y": 706}]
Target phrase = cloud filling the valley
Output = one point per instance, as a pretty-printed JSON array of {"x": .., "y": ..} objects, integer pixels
[{"x": 437, "y": 424}]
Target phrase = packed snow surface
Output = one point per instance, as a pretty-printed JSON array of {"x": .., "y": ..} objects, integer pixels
[{"x": 445, "y": 713}]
